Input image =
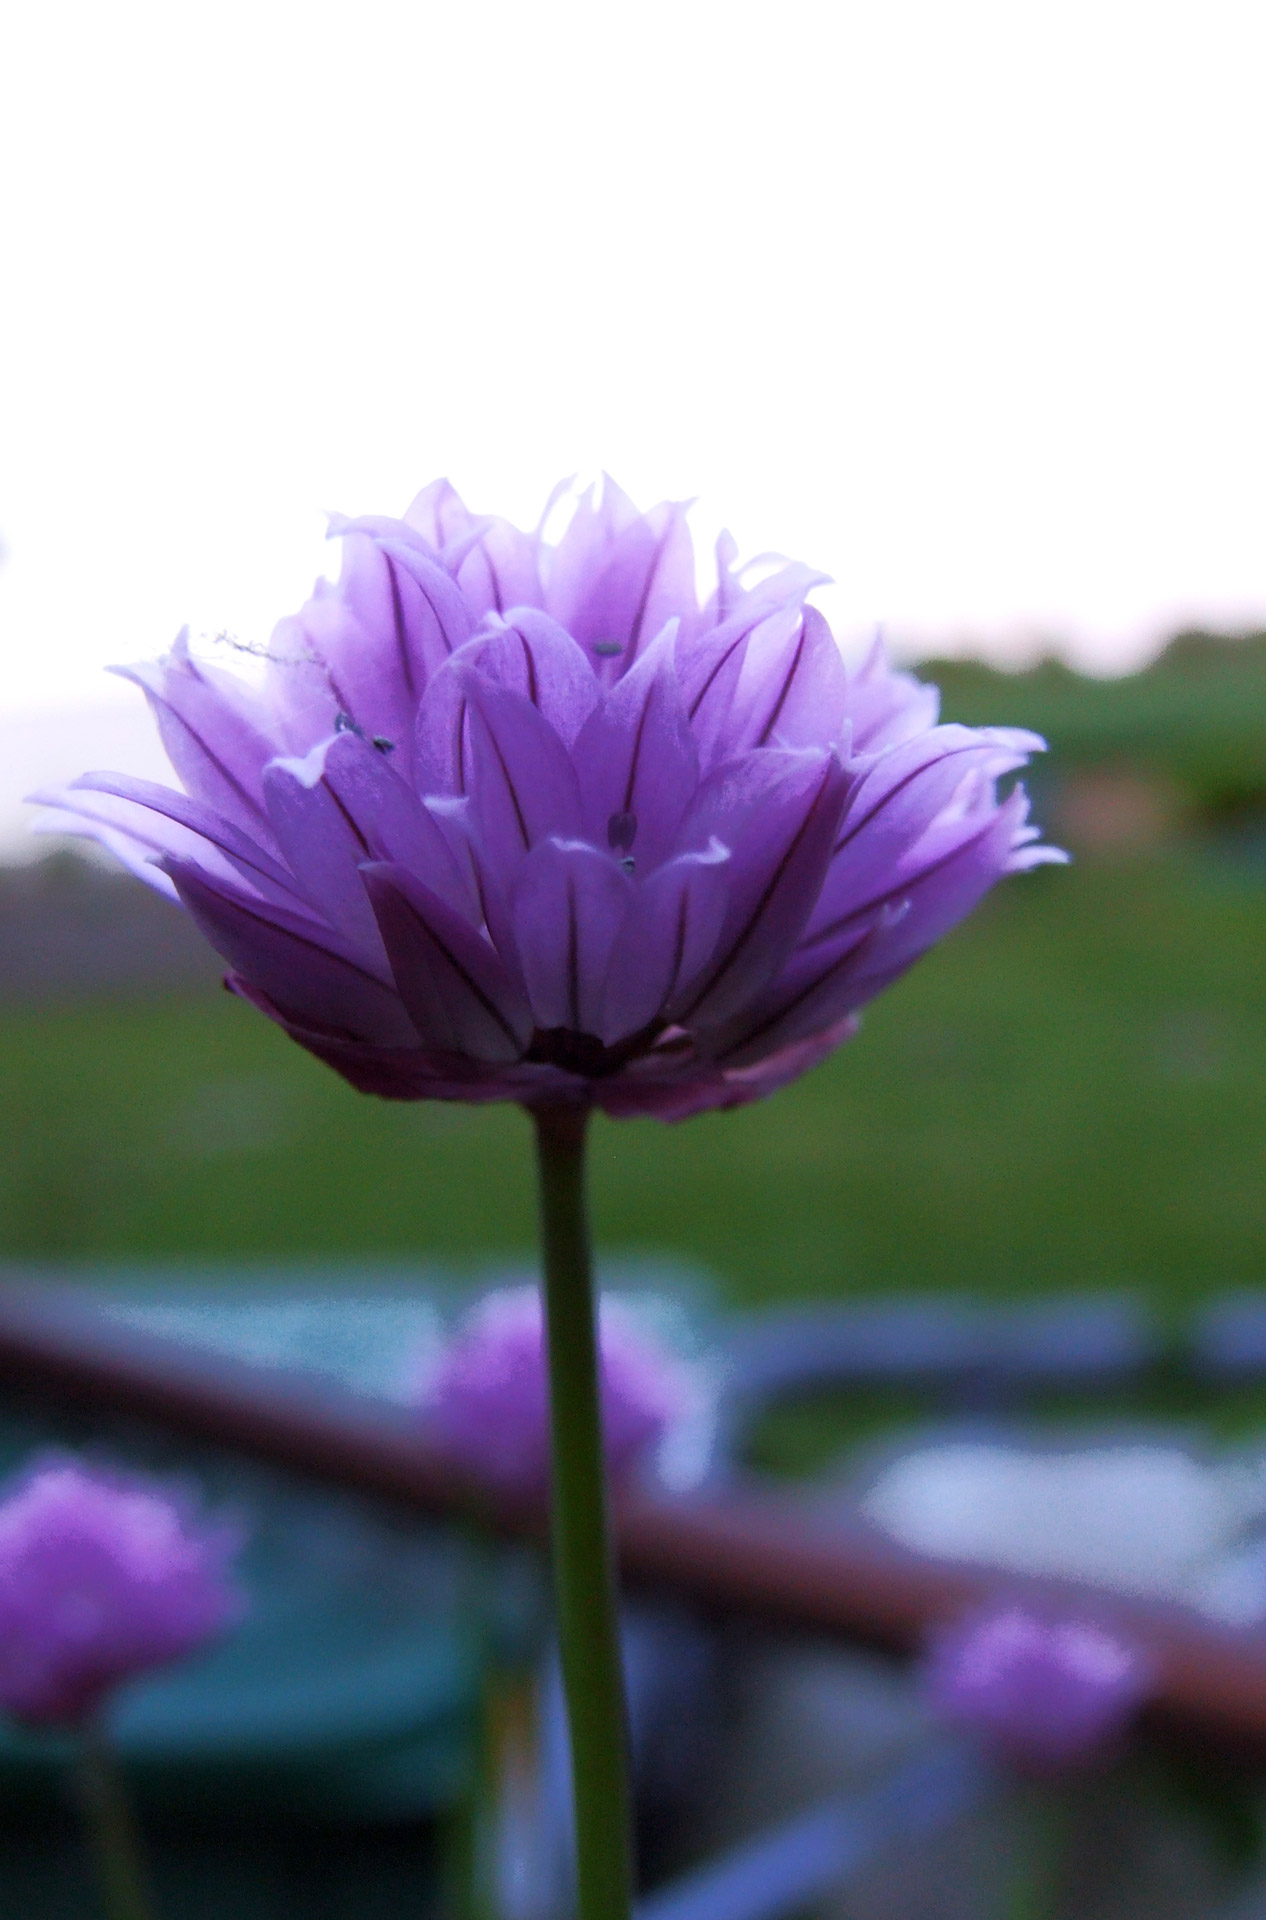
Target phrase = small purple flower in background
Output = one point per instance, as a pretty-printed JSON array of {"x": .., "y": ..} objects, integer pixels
[
  {"x": 1045, "y": 1691},
  {"x": 501, "y": 818},
  {"x": 102, "y": 1578},
  {"x": 488, "y": 1403}
]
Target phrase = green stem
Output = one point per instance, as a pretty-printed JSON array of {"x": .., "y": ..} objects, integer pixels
[
  {"x": 584, "y": 1566},
  {"x": 111, "y": 1829}
]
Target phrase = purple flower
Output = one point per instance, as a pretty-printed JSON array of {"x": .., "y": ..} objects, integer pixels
[
  {"x": 488, "y": 1404},
  {"x": 505, "y": 819},
  {"x": 1047, "y": 1691},
  {"x": 101, "y": 1578}
]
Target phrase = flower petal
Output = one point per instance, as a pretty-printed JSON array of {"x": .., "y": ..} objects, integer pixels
[
  {"x": 460, "y": 995},
  {"x": 539, "y": 659},
  {"x": 637, "y": 760},
  {"x": 708, "y": 672},
  {"x": 441, "y": 761},
  {"x": 494, "y": 563},
  {"x": 942, "y": 894},
  {"x": 387, "y": 625},
  {"x": 522, "y": 788},
  {"x": 816, "y": 989},
  {"x": 668, "y": 935},
  {"x": 388, "y": 817},
  {"x": 910, "y": 807},
  {"x": 440, "y": 515},
  {"x": 136, "y": 852},
  {"x": 142, "y": 837},
  {"x": 793, "y": 688},
  {"x": 778, "y": 812},
  {"x": 428, "y": 616},
  {"x": 522, "y": 780},
  {"x": 787, "y": 1063},
  {"x": 887, "y": 707},
  {"x": 417, "y": 1073},
  {"x": 323, "y": 847},
  {"x": 320, "y": 667},
  {"x": 569, "y": 905},
  {"x": 617, "y": 576},
  {"x": 786, "y": 586},
  {"x": 214, "y": 737},
  {"x": 243, "y": 855},
  {"x": 344, "y": 804},
  {"x": 500, "y": 571},
  {"x": 841, "y": 968},
  {"x": 305, "y": 971},
  {"x": 647, "y": 1089}
]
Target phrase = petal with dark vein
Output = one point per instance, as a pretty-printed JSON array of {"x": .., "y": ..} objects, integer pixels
[
  {"x": 539, "y": 659},
  {"x": 314, "y": 981},
  {"x": 669, "y": 934},
  {"x": 569, "y": 905},
  {"x": 243, "y": 853},
  {"x": 461, "y": 996},
  {"x": 523, "y": 788},
  {"x": 779, "y": 854},
  {"x": 217, "y": 745},
  {"x": 636, "y": 757}
]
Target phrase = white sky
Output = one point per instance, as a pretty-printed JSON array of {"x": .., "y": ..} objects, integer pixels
[{"x": 963, "y": 302}]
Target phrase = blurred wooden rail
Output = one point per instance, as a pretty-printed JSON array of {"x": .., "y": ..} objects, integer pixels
[{"x": 757, "y": 1554}]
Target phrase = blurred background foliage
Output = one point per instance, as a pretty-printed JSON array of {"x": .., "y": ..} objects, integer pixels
[{"x": 1070, "y": 1092}]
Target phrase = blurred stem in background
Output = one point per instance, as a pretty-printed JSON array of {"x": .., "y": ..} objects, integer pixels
[
  {"x": 1043, "y": 1821},
  {"x": 491, "y": 1832},
  {"x": 111, "y": 1829},
  {"x": 584, "y": 1567},
  {"x": 464, "y": 1874}
]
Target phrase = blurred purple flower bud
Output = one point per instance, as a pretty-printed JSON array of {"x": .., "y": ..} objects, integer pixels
[
  {"x": 511, "y": 819},
  {"x": 488, "y": 1403},
  {"x": 102, "y": 1578},
  {"x": 1046, "y": 1691}
]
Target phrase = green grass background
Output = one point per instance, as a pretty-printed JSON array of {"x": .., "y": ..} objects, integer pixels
[{"x": 1069, "y": 1092}]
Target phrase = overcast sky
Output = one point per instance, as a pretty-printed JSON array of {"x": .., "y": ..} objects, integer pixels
[{"x": 964, "y": 303}]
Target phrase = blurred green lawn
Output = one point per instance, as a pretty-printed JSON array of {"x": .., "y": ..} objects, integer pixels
[{"x": 1070, "y": 1091}]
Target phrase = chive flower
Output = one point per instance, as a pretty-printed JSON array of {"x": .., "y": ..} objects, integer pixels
[
  {"x": 506, "y": 817},
  {"x": 102, "y": 1578},
  {"x": 1047, "y": 1691},
  {"x": 488, "y": 1402}
]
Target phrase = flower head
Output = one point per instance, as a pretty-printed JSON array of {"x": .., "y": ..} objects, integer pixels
[
  {"x": 489, "y": 1402},
  {"x": 512, "y": 819},
  {"x": 1047, "y": 1691},
  {"x": 101, "y": 1579}
]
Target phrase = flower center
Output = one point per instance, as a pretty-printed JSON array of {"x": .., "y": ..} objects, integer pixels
[{"x": 584, "y": 1053}]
